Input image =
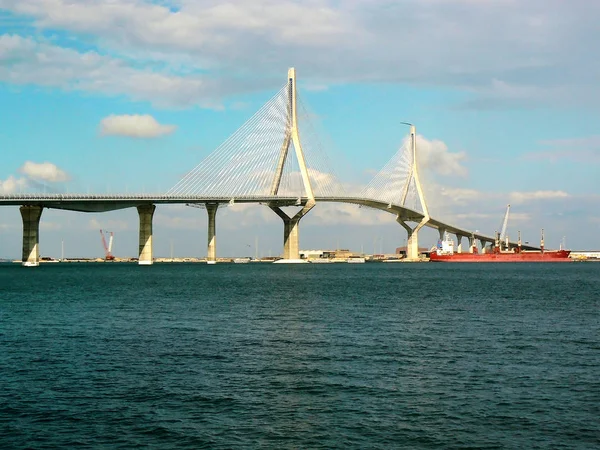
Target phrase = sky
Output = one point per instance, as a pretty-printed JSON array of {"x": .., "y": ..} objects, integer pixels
[{"x": 107, "y": 96}]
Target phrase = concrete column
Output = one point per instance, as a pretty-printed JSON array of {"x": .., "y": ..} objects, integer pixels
[
  {"x": 31, "y": 235},
  {"x": 291, "y": 239},
  {"x": 291, "y": 230},
  {"x": 442, "y": 232},
  {"x": 471, "y": 244},
  {"x": 482, "y": 243},
  {"x": 286, "y": 238},
  {"x": 458, "y": 243},
  {"x": 211, "y": 253},
  {"x": 146, "y": 212},
  {"x": 412, "y": 242}
]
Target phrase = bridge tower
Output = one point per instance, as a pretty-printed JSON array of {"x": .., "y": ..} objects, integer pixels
[
  {"x": 412, "y": 243},
  {"x": 31, "y": 215},
  {"x": 291, "y": 248},
  {"x": 145, "y": 213}
]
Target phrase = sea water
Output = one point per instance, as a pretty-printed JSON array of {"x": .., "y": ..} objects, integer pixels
[{"x": 300, "y": 356}]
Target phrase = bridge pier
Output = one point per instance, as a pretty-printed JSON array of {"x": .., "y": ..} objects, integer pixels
[
  {"x": 291, "y": 239},
  {"x": 482, "y": 243},
  {"x": 459, "y": 243},
  {"x": 146, "y": 212},
  {"x": 442, "y": 232},
  {"x": 472, "y": 244},
  {"x": 412, "y": 243},
  {"x": 291, "y": 247},
  {"x": 31, "y": 235},
  {"x": 211, "y": 253}
]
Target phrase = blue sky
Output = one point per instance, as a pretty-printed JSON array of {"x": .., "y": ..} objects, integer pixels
[{"x": 504, "y": 96}]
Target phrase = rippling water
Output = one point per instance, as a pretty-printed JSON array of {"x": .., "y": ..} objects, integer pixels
[{"x": 310, "y": 356}]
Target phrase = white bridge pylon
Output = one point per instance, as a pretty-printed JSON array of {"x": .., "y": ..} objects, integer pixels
[
  {"x": 412, "y": 243},
  {"x": 398, "y": 183},
  {"x": 291, "y": 248},
  {"x": 258, "y": 161}
]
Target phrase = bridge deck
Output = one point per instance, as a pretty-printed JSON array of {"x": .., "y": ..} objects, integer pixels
[{"x": 103, "y": 203}]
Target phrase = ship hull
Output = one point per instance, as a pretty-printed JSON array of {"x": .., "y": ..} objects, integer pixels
[{"x": 525, "y": 256}]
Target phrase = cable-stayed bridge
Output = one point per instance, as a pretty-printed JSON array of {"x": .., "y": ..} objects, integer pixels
[{"x": 266, "y": 161}]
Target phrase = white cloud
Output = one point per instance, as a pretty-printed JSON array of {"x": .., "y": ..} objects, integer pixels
[
  {"x": 194, "y": 26},
  {"x": 474, "y": 216},
  {"x": 50, "y": 226},
  {"x": 459, "y": 195},
  {"x": 462, "y": 206},
  {"x": 25, "y": 61},
  {"x": 177, "y": 222},
  {"x": 45, "y": 171},
  {"x": 111, "y": 224},
  {"x": 503, "y": 52},
  {"x": 434, "y": 155},
  {"x": 586, "y": 150},
  {"x": 137, "y": 126},
  {"x": 520, "y": 217},
  {"x": 521, "y": 197},
  {"x": 247, "y": 214},
  {"x": 12, "y": 185},
  {"x": 323, "y": 183},
  {"x": 348, "y": 214}
]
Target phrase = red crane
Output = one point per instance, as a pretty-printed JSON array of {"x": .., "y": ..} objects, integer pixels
[{"x": 108, "y": 256}]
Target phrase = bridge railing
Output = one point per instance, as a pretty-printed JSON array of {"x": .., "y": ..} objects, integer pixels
[{"x": 55, "y": 197}]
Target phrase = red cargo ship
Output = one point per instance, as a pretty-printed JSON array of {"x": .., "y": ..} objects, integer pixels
[{"x": 444, "y": 252}]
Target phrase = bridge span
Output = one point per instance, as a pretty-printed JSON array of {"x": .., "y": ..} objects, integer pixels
[
  {"x": 32, "y": 205},
  {"x": 263, "y": 162}
]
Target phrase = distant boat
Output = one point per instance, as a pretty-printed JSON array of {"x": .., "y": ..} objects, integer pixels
[
  {"x": 47, "y": 259},
  {"x": 356, "y": 260},
  {"x": 28, "y": 264},
  {"x": 241, "y": 260},
  {"x": 444, "y": 252},
  {"x": 320, "y": 261},
  {"x": 291, "y": 261}
]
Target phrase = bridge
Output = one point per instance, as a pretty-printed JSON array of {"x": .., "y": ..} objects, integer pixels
[{"x": 265, "y": 162}]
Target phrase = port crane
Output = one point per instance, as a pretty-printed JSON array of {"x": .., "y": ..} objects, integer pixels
[
  {"x": 108, "y": 256},
  {"x": 503, "y": 236}
]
